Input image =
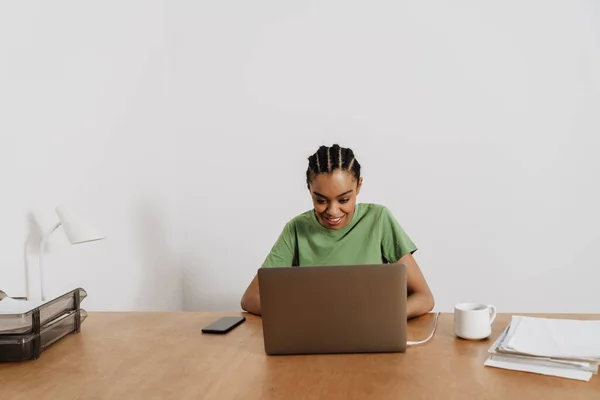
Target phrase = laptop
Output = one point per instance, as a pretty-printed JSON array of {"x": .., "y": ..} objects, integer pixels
[{"x": 333, "y": 309}]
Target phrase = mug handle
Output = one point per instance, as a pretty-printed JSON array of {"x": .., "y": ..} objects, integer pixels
[{"x": 492, "y": 313}]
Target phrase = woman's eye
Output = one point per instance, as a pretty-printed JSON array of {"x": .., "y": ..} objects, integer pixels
[
  {"x": 344, "y": 201},
  {"x": 321, "y": 201}
]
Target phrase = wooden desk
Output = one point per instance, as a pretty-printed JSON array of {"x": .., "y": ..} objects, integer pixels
[{"x": 165, "y": 356}]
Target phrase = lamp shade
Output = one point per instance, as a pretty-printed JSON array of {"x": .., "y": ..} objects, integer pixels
[{"x": 77, "y": 229}]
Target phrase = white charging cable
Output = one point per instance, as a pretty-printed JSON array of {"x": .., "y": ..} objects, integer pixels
[{"x": 435, "y": 321}]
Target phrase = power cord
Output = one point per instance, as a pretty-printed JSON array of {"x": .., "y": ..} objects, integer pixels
[{"x": 435, "y": 321}]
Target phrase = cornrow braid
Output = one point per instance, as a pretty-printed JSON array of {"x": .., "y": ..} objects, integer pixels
[{"x": 326, "y": 160}]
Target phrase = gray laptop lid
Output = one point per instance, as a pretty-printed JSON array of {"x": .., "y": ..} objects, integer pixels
[{"x": 333, "y": 309}]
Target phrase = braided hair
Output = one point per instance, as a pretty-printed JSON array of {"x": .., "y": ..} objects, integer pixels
[{"x": 329, "y": 159}]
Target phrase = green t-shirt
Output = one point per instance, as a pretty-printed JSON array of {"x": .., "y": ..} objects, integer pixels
[{"x": 372, "y": 237}]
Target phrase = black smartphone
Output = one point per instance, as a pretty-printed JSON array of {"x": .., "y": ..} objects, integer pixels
[{"x": 223, "y": 325}]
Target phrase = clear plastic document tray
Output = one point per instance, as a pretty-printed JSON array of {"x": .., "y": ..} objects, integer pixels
[
  {"x": 29, "y": 317},
  {"x": 28, "y": 347}
]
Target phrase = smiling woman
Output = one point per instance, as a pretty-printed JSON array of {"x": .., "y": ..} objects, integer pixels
[
  {"x": 339, "y": 231},
  {"x": 333, "y": 178}
]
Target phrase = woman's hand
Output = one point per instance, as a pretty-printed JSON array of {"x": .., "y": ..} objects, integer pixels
[
  {"x": 251, "y": 298},
  {"x": 420, "y": 300}
]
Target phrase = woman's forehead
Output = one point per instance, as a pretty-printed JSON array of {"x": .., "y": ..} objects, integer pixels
[{"x": 333, "y": 184}]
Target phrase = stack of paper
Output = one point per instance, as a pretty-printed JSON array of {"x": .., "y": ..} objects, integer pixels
[
  {"x": 9, "y": 305},
  {"x": 14, "y": 318},
  {"x": 557, "y": 347}
]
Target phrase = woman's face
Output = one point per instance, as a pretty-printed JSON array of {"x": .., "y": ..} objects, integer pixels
[{"x": 334, "y": 198}]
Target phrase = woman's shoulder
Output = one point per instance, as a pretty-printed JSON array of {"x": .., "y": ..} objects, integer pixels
[
  {"x": 300, "y": 219},
  {"x": 372, "y": 209},
  {"x": 376, "y": 213}
]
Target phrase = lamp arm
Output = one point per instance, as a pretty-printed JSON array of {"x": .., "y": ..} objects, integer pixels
[{"x": 41, "y": 264}]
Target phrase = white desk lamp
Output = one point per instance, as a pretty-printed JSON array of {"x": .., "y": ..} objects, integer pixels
[{"x": 77, "y": 231}]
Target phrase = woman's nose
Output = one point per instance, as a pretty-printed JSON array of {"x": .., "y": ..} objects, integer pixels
[{"x": 333, "y": 209}]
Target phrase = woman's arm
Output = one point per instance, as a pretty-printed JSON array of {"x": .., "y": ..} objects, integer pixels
[
  {"x": 251, "y": 298},
  {"x": 281, "y": 255},
  {"x": 420, "y": 299}
]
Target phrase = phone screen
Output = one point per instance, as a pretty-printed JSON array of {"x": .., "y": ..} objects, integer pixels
[{"x": 223, "y": 325}]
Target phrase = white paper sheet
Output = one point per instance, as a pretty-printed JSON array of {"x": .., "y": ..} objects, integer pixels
[
  {"x": 557, "y": 338},
  {"x": 538, "y": 369},
  {"x": 11, "y": 306}
]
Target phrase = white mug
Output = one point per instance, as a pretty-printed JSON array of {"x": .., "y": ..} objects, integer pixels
[{"x": 473, "y": 320}]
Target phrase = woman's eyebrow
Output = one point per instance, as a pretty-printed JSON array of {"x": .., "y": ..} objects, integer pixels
[{"x": 339, "y": 195}]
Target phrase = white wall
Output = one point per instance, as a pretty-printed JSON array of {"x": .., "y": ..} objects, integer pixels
[
  {"x": 476, "y": 124},
  {"x": 84, "y": 105}
]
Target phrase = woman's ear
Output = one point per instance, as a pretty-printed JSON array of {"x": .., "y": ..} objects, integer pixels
[{"x": 359, "y": 185}]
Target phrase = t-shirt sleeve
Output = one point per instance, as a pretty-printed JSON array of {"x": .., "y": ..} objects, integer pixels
[
  {"x": 283, "y": 253},
  {"x": 395, "y": 243}
]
